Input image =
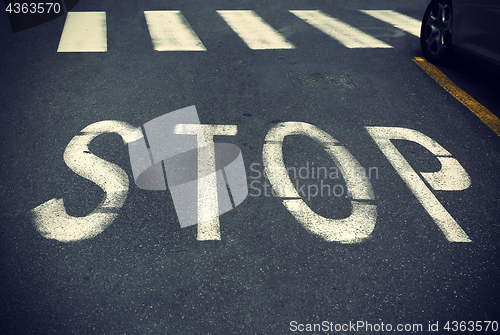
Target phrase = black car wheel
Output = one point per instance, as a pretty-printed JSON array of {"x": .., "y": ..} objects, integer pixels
[{"x": 436, "y": 31}]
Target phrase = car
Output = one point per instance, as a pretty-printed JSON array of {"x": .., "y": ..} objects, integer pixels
[{"x": 470, "y": 28}]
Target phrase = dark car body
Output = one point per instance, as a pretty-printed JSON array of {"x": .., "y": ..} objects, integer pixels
[{"x": 477, "y": 29}]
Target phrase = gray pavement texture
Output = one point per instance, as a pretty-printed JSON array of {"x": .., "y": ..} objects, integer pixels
[{"x": 146, "y": 275}]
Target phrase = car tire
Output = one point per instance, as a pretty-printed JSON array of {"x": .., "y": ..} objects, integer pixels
[{"x": 436, "y": 31}]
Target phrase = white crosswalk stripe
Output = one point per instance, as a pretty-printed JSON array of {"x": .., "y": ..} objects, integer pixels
[
  {"x": 254, "y": 31},
  {"x": 84, "y": 32},
  {"x": 170, "y": 31},
  {"x": 398, "y": 20},
  {"x": 342, "y": 32}
]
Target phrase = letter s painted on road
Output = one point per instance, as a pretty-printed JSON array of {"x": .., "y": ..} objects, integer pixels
[{"x": 51, "y": 219}]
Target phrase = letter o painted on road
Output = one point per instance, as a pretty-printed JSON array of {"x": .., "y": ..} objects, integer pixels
[{"x": 352, "y": 229}]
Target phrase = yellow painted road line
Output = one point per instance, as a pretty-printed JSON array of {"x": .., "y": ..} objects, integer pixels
[{"x": 488, "y": 118}]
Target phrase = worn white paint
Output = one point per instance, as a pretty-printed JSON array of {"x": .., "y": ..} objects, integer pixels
[
  {"x": 398, "y": 20},
  {"x": 452, "y": 176},
  {"x": 84, "y": 32},
  {"x": 254, "y": 31},
  {"x": 352, "y": 229},
  {"x": 342, "y": 32},
  {"x": 170, "y": 31},
  {"x": 51, "y": 219},
  {"x": 208, "y": 201}
]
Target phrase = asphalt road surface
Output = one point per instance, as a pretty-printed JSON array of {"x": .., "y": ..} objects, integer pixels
[{"x": 412, "y": 250}]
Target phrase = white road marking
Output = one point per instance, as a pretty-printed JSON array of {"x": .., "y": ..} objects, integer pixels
[
  {"x": 254, "y": 31},
  {"x": 352, "y": 229},
  {"x": 452, "y": 170},
  {"x": 170, "y": 31},
  {"x": 342, "y": 32},
  {"x": 451, "y": 177},
  {"x": 51, "y": 219},
  {"x": 398, "y": 20},
  {"x": 84, "y": 32},
  {"x": 208, "y": 201}
]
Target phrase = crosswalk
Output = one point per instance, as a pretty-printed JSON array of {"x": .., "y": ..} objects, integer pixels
[
  {"x": 84, "y": 32},
  {"x": 254, "y": 31},
  {"x": 398, "y": 20},
  {"x": 342, "y": 32},
  {"x": 170, "y": 31}
]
